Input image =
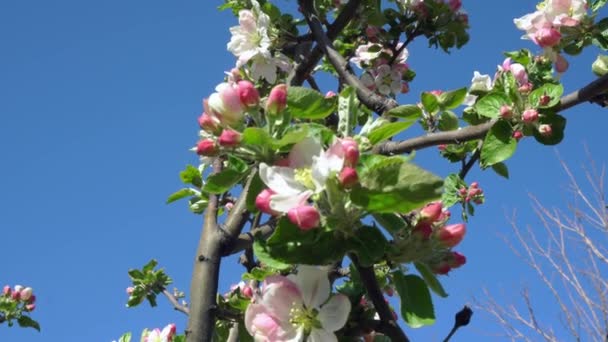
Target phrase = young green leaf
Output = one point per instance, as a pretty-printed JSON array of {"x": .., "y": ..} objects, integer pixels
[
  {"x": 452, "y": 99},
  {"x": 501, "y": 169},
  {"x": 388, "y": 130},
  {"x": 182, "y": 193},
  {"x": 348, "y": 105},
  {"x": 410, "y": 112},
  {"x": 221, "y": 182},
  {"x": 191, "y": 175},
  {"x": 499, "y": 144},
  {"x": 306, "y": 103},
  {"x": 429, "y": 102},
  {"x": 489, "y": 105},
  {"x": 416, "y": 303},
  {"x": 431, "y": 279}
]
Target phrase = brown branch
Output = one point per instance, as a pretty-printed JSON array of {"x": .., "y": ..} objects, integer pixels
[
  {"x": 466, "y": 167},
  {"x": 370, "y": 99},
  {"x": 591, "y": 92},
  {"x": 389, "y": 324},
  {"x": 176, "y": 305},
  {"x": 303, "y": 70},
  {"x": 245, "y": 240},
  {"x": 204, "y": 284}
]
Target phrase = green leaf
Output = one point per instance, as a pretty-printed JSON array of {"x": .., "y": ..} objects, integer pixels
[
  {"x": 391, "y": 222},
  {"x": 501, "y": 169},
  {"x": 348, "y": 108},
  {"x": 27, "y": 322},
  {"x": 388, "y": 130},
  {"x": 597, "y": 4},
  {"x": 452, "y": 184},
  {"x": 448, "y": 121},
  {"x": 182, "y": 193},
  {"x": 558, "y": 124},
  {"x": 191, "y": 175},
  {"x": 150, "y": 266},
  {"x": 261, "y": 252},
  {"x": 554, "y": 91},
  {"x": 452, "y": 99},
  {"x": 198, "y": 204},
  {"x": 390, "y": 184},
  {"x": 498, "y": 145},
  {"x": 416, "y": 303},
  {"x": 126, "y": 337},
  {"x": 522, "y": 56},
  {"x": 293, "y": 135},
  {"x": 410, "y": 112},
  {"x": 135, "y": 274},
  {"x": 430, "y": 279},
  {"x": 306, "y": 103},
  {"x": 221, "y": 182},
  {"x": 489, "y": 105},
  {"x": 256, "y": 137},
  {"x": 369, "y": 244},
  {"x": 429, "y": 102}
]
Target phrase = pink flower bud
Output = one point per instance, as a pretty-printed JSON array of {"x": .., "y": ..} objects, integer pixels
[
  {"x": 463, "y": 18},
  {"x": 561, "y": 64},
  {"x": 277, "y": 100},
  {"x": 282, "y": 162},
  {"x": 475, "y": 185},
  {"x": 441, "y": 268},
  {"x": 330, "y": 94},
  {"x": 235, "y": 75},
  {"x": 16, "y": 295},
  {"x": 462, "y": 191},
  {"x": 525, "y": 88},
  {"x": 351, "y": 151},
  {"x": 519, "y": 72},
  {"x": 206, "y": 147},
  {"x": 506, "y": 112},
  {"x": 209, "y": 123},
  {"x": 227, "y": 103},
  {"x": 442, "y": 147},
  {"x": 518, "y": 135},
  {"x": 228, "y": 206},
  {"x": 306, "y": 217},
  {"x": 451, "y": 235},
  {"x": 545, "y": 130},
  {"x": 348, "y": 177},
  {"x": 455, "y": 5},
  {"x": 547, "y": 37},
  {"x": 18, "y": 288},
  {"x": 456, "y": 260},
  {"x": 262, "y": 202},
  {"x": 474, "y": 192},
  {"x": 25, "y": 294},
  {"x": 6, "y": 290},
  {"x": 247, "y": 292},
  {"x": 544, "y": 100},
  {"x": 30, "y": 307},
  {"x": 130, "y": 290},
  {"x": 444, "y": 216},
  {"x": 229, "y": 138},
  {"x": 32, "y": 299},
  {"x": 529, "y": 116},
  {"x": 506, "y": 65},
  {"x": 436, "y": 92},
  {"x": 431, "y": 212},
  {"x": 248, "y": 94},
  {"x": 423, "y": 230}
]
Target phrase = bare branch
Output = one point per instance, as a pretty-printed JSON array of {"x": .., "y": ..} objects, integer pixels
[{"x": 176, "y": 305}]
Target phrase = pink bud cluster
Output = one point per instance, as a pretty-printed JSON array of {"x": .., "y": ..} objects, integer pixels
[
  {"x": 450, "y": 261},
  {"x": 22, "y": 295},
  {"x": 244, "y": 289},
  {"x": 472, "y": 194}
]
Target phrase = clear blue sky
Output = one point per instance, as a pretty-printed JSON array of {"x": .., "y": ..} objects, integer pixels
[{"x": 99, "y": 101}]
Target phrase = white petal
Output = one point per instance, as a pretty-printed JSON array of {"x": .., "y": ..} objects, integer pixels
[
  {"x": 280, "y": 295},
  {"x": 280, "y": 179},
  {"x": 334, "y": 313},
  {"x": 319, "y": 335},
  {"x": 302, "y": 153},
  {"x": 283, "y": 203},
  {"x": 313, "y": 284}
]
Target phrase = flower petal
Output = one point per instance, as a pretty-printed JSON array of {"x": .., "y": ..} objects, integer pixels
[
  {"x": 313, "y": 284},
  {"x": 284, "y": 202},
  {"x": 330, "y": 161},
  {"x": 280, "y": 295},
  {"x": 280, "y": 179},
  {"x": 320, "y": 335},
  {"x": 334, "y": 313},
  {"x": 263, "y": 326},
  {"x": 302, "y": 153}
]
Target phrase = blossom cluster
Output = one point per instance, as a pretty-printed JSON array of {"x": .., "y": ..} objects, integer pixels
[
  {"x": 20, "y": 295},
  {"x": 384, "y": 67}
]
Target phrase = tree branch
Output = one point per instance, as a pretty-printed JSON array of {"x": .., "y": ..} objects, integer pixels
[
  {"x": 245, "y": 240},
  {"x": 176, "y": 305},
  {"x": 303, "y": 70},
  {"x": 204, "y": 284},
  {"x": 370, "y": 99},
  {"x": 368, "y": 278}
]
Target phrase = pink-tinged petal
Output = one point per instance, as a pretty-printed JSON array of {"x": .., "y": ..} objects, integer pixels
[
  {"x": 281, "y": 180},
  {"x": 334, "y": 313},
  {"x": 280, "y": 295},
  {"x": 284, "y": 202},
  {"x": 313, "y": 284},
  {"x": 302, "y": 153},
  {"x": 319, "y": 335},
  {"x": 263, "y": 326}
]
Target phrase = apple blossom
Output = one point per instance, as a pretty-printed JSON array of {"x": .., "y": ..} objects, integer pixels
[
  {"x": 156, "y": 335},
  {"x": 308, "y": 170},
  {"x": 561, "y": 64},
  {"x": 226, "y": 103},
  {"x": 206, "y": 147},
  {"x": 456, "y": 260},
  {"x": 545, "y": 130},
  {"x": 506, "y": 111},
  {"x": 26, "y": 294},
  {"x": 277, "y": 100},
  {"x": 423, "y": 230},
  {"x": 297, "y": 308},
  {"x": 431, "y": 212},
  {"x": 480, "y": 83},
  {"x": 229, "y": 138},
  {"x": 209, "y": 123},
  {"x": 248, "y": 94},
  {"x": 30, "y": 307},
  {"x": 262, "y": 202},
  {"x": 351, "y": 151},
  {"x": 348, "y": 177},
  {"x": 451, "y": 235},
  {"x": 518, "y": 135},
  {"x": 530, "y": 116},
  {"x": 306, "y": 217}
]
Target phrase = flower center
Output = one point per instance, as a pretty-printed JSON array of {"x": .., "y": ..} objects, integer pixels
[
  {"x": 304, "y": 318},
  {"x": 304, "y": 177}
]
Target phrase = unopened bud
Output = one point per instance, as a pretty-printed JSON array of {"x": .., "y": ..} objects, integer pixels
[
  {"x": 247, "y": 292},
  {"x": 206, "y": 147},
  {"x": 16, "y": 295},
  {"x": 130, "y": 290},
  {"x": 262, "y": 202},
  {"x": 351, "y": 151},
  {"x": 529, "y": 116},
  {"x": 229, "y": 138},
  {"x": 32, "y": 299},
  {"x": 506, "y": 112},
  {"x": 26, "y": 293},
  {"x": 209, "y": 123},
  {"x": 248, "y": 94},
  {"x": 30, "y": 307},
  {"x": 431, "y": 212},
  {"x": 441, "y": 268},
  {"x": 306, "y": 217},
  {"x": 456, "y": 260},
  {"x": 348, "y": 177},
  {"x": 442, "y": 147},
  {"x": 518, "y": 135},
  {"x": 547, "y": 37},
  {"x": 330, "y": 94},
  {"x": 451, "y": 235},
  {"x": 423, "y": 230},
  {"x": 525, "y": 88},
  {"x": 545, "y": 130},
  {"x": 6, "y": 290},
  {"x": 277, "y": 100},
  {"x": 544, "y": 100}
]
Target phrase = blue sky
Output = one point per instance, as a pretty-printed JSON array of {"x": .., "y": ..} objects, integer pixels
[{"x": 99, "y": 102}]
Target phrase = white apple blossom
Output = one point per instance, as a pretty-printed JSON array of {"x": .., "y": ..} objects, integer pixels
[
  {"x": 156, "y": 335},
  {"x": 306, "y": 174},
  {"x": 250, "y": 41},
  {"x": 297, "y": 308}
]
